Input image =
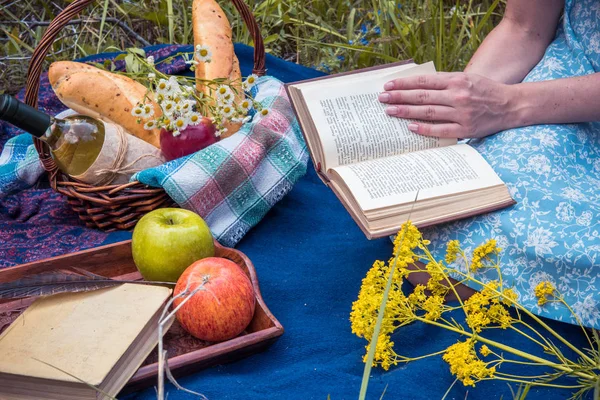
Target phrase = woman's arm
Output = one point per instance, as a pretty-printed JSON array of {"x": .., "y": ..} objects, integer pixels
[
  {"x": 473, "y": 104},
  {"x": 518, "y": 43}
]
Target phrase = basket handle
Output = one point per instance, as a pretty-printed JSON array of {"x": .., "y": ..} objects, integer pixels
[{"x": 41, "y": 50}]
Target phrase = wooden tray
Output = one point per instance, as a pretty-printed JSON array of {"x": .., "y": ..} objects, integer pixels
[{"x": 186, "y": 353}]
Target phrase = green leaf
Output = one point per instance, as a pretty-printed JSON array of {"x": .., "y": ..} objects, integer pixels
[
  {"x": 271, "y": 38},
  {"x": 139, "y": 52},
  {"x": 120, "y": 57}
]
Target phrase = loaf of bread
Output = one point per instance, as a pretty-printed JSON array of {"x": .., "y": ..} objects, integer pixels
[
  {"x": 212, "y": 29},
  {"x": 101, "y": 94}
]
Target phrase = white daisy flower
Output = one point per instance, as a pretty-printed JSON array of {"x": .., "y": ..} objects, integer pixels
[
  {"x": 194, "y": 118},
  {"x": 151, "y": 76},
  {"x": 137, "y": 111},
  {"x": 180, "y": 124},
  {"x": 227, "y": 98},
  {"x": 192, "y": 63},
  {"x": 203, "y": 53},
  {"x": 169, "y": 107},
  {"x": 148, "y": 110},
  {"x": 150, "y": 60},
  {"x": 249, "y": 82},
  {"x": 163, "y": 87},
  {"x": 223, "y": 91},
  {"x": 186, "y": 105},
  {"x": 227, "y": 111},
  {"x": 176, "y": 133},
  {"x": 264, "y": 112},
  {"x": 220, "y": 132},
  {"x": 246, "y": 105},
  {"x": 150, "y": 125}
]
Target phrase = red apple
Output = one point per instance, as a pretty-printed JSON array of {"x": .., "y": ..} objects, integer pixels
[
  {"x": 223, "y": 308},
  {"x": 190, "y": 140}
]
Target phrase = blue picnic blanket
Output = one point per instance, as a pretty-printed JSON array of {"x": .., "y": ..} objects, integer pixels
[{"x": 310, "y": 258}]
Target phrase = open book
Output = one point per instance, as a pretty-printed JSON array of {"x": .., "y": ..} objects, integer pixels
[{"x": 376, "y": 166}]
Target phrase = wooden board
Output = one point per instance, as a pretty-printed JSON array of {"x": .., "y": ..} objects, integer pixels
[{"x": 186, "y": 354}]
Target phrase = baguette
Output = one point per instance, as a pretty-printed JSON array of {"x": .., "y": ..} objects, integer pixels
[
  {"x": 212, "y": 29},
  {"x": 101, "y": 94}
]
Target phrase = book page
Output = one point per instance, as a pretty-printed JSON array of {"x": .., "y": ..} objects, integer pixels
[
  {"x": 436, "y": 172},
  {"x": 352, "y": 124}
]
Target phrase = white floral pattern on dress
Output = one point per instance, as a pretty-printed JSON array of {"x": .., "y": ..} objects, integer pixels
[{"x": 553, "y": 172}]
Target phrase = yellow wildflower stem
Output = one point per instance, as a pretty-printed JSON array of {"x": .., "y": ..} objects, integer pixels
[
  {"x": 409, "y": 359},
  {"x": 535, "y": 383},
  {"x": 509, "y": 349},
  {"x": 539, "y": 321},
  {"x": 376, "y": 330},
  {"x": 430, "y": 258},
  {"x": 529, "y": 337},
  {"x": 562, "y": 300}
]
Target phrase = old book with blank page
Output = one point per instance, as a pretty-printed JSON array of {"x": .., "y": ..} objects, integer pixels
[
  {"x": 61, "y": 341},
  {"x": 376, "y": 166}
]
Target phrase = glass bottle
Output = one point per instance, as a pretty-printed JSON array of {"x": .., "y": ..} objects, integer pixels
[{"x": 75, "y": 141}]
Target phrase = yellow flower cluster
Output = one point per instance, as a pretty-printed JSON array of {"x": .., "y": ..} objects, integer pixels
[
  {"x": 452, "y": 251},
  {"x": 542, "y": 291},
  {"x": 465, "y": 364},
  {"x": 489, "y": 307},
  {"x": 482, "y": 252},
  {"x": 398, "y": 310}
]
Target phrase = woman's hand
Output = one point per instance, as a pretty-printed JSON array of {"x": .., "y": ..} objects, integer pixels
[{"x": 455, "y": 105}]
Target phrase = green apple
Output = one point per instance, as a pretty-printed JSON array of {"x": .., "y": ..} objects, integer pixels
[{"x": 168, "y": 240}]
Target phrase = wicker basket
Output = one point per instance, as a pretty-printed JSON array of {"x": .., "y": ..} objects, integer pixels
[{"x": 115, "y": 206}]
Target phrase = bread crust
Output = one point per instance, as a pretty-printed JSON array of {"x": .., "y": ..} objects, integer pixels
[
  {"x": 101, "y": 94},
  {"x": 212, "y": 29}
]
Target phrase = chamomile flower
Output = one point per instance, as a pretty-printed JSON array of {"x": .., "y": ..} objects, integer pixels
[
  {"x": 227, "y": 110},
  {"x": 220, "y": 132},
  {"x": 249, "y": 82},
  {"x": 203, "y": 53},
  {"x": 150, "y": 125},
  {"x": 176, "y": 133},
  {"x": 150, "y": 60},
  {"x": 148, "y": 110},
  {"x": 137, "y": 111},
  {"x": 169, "y": 107},
  {"x": 163, "y": 87},
  {"x": 180, "y": 124},
  {"x": 151, "y": 76},
  {"x": 246, "y": 105},
  {"x": 241, "y": 120},
  {"x": 186, "y": 106},
  {"x": 223, "y": 91},
  {"x": 226, "y": 99},
  {"x": 264, "y": 112},
  {"x": 194, "y": 118},
  {"x": 192, "y": 63}
]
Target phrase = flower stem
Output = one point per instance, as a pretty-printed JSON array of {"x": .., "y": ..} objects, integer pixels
[{"x": 509, "y": 349}]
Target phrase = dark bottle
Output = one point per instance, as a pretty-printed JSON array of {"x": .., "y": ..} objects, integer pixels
[{"x": 75, "y": 142}]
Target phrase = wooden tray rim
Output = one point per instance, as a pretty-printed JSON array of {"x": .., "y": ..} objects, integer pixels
[{"x": 183, "y": 360}]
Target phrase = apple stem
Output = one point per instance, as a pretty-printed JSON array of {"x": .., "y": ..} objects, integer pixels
[
  {"x": 170, "y": 222},
  {"x": 164, "y": 319}
]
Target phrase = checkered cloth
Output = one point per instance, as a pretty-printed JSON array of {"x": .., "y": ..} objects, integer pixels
[{"x": 231, "y": 184}]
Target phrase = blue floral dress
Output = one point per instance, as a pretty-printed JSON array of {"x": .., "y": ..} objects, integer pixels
[{"x": 553, "y": 172}]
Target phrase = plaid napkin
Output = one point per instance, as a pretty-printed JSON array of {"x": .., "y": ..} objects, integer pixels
[{"x": 232, "y": 184}]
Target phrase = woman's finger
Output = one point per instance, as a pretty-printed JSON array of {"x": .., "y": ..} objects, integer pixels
[
  {"x": 446, "y": 130},
  {"x": 420, "y": 96},
  {"x": 427, "y": 113},
  {"x": 436, "y": 81}
]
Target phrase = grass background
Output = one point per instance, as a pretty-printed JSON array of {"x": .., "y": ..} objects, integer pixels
[{"x": 330, "y": 35}]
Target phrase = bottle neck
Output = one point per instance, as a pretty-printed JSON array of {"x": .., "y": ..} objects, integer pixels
[{"x": 24, "y": 117}]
